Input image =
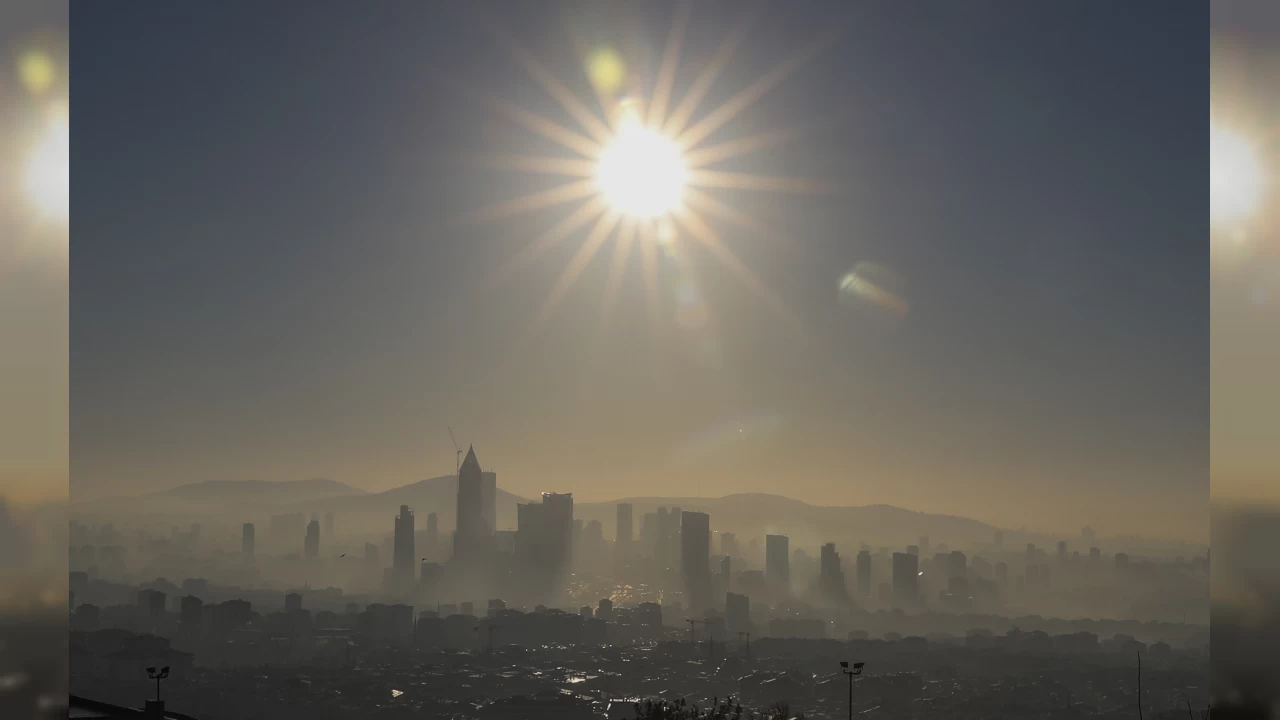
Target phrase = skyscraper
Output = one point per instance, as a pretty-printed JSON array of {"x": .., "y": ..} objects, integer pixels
[
  {"x": 247, "y": 539},
  {"x": 831, "y": 576},
  {"x": 558, "y": 509},
  {"x": 543, "y": 544},
  {"x": 469, "y": 536},
  {"x": 489, "y": 502},
  {"x": 311, "y": 549},
  {"x": 402, "y": 555},
  {"x": 695, "y": 559},
  {"x": 431, "y": 537},
  {"x": 530, "y": 532},
  {"x": 622, "y": 535},
  {"x": 777, "y": 561},
  {"x": 906, "y": 589},
  {"x": 673, "y": 537},
  {"x": 662, "y": 543},
  {"x": 940, "y": 569},
  {"x": 959, "y": 564},
  {"x": 737, "y": 611},
  {"x": 864, "y": 575},
  {"x": 649, "y": 533}
]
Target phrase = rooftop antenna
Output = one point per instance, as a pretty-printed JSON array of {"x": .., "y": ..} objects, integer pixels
[{"x": 457, "y": 464}]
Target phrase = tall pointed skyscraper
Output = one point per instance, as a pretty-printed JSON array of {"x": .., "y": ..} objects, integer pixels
[{"x": 469, "y": 539}]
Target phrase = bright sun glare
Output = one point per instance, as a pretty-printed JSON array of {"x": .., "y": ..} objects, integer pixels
[
  {"x": 1235, "y": 176},
  {"x": 644, "y": 175},
  {"x": 48, "y": 170},
  {"x": 640, "y": 172}
]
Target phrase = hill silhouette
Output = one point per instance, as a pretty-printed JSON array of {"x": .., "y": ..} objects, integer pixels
[
  {"x": 438, "y": 495},
  {"x": 746, "y": 514},
  {"x": 758, "y": 514},
  {"x": 222, "y": 495}
]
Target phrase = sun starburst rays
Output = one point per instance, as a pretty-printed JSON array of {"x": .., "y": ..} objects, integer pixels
[
  {"x": 535, "y": 164},
  {"x": 595, "y": 239},
  {"x": 552, "y": 197},
  {"x": 650, "y": 226},
  {"x": 679, "y": 117},
  {"x": 570, "y": 140},
  {"x": 666, "y": 81},
  {"x": 751, "y": 94}
]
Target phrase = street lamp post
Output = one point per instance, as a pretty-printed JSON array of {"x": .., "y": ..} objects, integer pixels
[
  {"x": 857, "y": 670},
  {"x": 158, "y": 676}
]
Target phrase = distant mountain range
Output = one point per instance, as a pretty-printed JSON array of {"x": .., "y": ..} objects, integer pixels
[
  {"x": 747, "y": 515},
  {"x": 434, "y": 495},
  {"x": 217, "y": 496},
  {"x": 756, "y": 515}
]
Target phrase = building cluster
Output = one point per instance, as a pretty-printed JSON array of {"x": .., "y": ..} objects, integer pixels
[{"x": 558, "y": 620}]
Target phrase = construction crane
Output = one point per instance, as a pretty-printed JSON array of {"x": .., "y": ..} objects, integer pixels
[
  {"x": 692, "y": 622},
  {"x": 457, "y": 451}
]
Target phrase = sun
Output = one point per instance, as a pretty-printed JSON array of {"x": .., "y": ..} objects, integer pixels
[
  {"x": 641, "y": 173},
  {"x": 648, "y": 171},
  {"x": 1235, "y": 176},
  {"x": 48, "y": 170}
]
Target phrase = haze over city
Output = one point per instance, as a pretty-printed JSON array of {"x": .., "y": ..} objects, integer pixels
[{"x": 607, "y": 360}]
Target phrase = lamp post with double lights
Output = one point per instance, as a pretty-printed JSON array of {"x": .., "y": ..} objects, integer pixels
[
  {"x": 152, "y": 674},
  {"x": 857, "y": 670}
]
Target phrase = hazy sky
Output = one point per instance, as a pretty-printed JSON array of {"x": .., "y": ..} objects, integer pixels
[
  {"x": 33, "y": 262},
  {"x": 271, "y": 278},
  {"x": 1245, "y": 277}
]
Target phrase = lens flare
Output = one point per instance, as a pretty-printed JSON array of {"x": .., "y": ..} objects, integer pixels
[
  {"x": 606, "y": 70},
  {"x": 37, "y": 71},
  {"x": 871, "y": 286}
]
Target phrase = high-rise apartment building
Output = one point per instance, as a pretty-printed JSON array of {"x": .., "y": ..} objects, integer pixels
[
  {"x": 311, "y": 548},
  {"x": 403, "y": 561},
  {"x": 622, "y": 533},
  {"x": 864, "y": 575},
  {"x": 695, "y": 559},
  {"x": 777, "y": 561},
  {"x": 906, "y": 586}
]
